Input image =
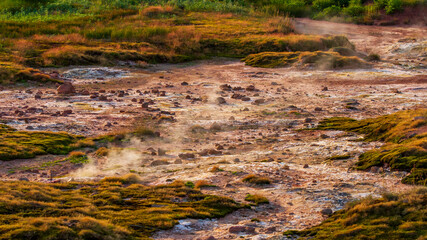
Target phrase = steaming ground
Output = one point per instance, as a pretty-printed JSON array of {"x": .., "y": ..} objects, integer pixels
[{"x": 211, "y": 133}]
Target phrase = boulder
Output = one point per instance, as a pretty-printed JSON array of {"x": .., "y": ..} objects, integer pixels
[{"x": 66, "y": 88}]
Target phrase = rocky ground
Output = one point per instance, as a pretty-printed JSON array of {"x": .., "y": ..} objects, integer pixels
[{"x": 221, "y": 120}]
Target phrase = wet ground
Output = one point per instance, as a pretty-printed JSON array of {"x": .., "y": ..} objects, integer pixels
[{"x": 219, "y": 121}]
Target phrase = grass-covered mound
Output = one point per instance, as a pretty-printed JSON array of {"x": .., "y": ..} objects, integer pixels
[
  {"x": 317, "y": 59},
  {"x": 405, "y": 134},
  {"x": 393, "y": 216},
  {"x": 115, "y": 208},
  {"x": 11, "y": 73},
  {"x": 27, "y": 144}
]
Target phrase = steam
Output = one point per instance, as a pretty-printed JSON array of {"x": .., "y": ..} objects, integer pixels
[{"x": 118, "y": 161}]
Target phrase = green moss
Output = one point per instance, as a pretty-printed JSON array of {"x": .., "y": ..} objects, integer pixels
[
  {"x": 405, "y": 137},
  {"x": 390, "y": 217},
  {"x": 12, "y": 73},
  {"x": 256, "y": 198},
  {"x": 257, "y": 180},
  {"x": 318, "y": 59},
  {"x": 26, "y": 144},
  {"x": 102, "y": 210}
]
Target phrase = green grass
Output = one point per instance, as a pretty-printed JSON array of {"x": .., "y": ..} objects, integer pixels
[
  {"x": 393, "y": 216},
  {"x": 25, "y": 144},
  {"x": 318, "y": 60},
  {"x": 405, "y": 136},
  {"x": 116, "y": 208}
]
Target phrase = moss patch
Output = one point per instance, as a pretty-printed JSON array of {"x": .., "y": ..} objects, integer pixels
[
  {"x": 12, "y": 73},
  {"x": 390, "y": 217},
  {"x": 111, "y": 209},
  {"x": 318, "y": 60},
  {"x": 405, "y": 134},
  {"x": 25, "y": 144}
]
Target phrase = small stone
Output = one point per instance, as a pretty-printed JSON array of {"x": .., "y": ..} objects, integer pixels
[
  {"x": 221, "y": 100},
  {"x": 326, "y": 211},
  {"x": 186, "y": 156},
  {"x": 66, "y": 88},
  {"x": 305, "y": 165}
]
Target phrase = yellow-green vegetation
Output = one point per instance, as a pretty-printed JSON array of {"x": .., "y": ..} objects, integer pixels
[
  {"x": 116, "y": 208},
  {"x": 61, "y": 34},
  {"x": 393, "y": 216},
  {"x": 77, "y": 158},
  {"x": 257, "y": 180},
  {"x": 256, "y": 198},
  {"x": 27, "y": 144},
  {"x": 12, "y": 72},
  {"x": 317, "y": 59},
  {"x": 405, "y": 134}
]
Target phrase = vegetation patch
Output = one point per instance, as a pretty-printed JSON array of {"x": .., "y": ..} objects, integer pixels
[
  {"x": 256, "y": 199},
  {"x": 405, "y": 134},
  {"x": 257, "y": 180},
  {"x": 390, "y": 217},
  {"x": 110, "y": 209},
  {"x": 27, "y": 144},
  {"x": 12, "y": 73},
  {"x": 317, "y": 59}
]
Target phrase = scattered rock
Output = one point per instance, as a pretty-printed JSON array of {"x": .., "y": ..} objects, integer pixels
[
  {"x": 326, "y": 211},
  {"x": 186, "y": 156},
  {"x": 221, "y": 100},
  {"x": 242, "y": 229},
  {"x": 66, "y": 88}
]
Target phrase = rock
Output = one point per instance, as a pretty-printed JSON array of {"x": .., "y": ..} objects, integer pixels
[
  {"x": 395, "y": 90},
  {"x": 259, "y": 101},
  {"x": 245, "y": 99},
  {"x": 178, "y": 161},
  {"x": 317, "y": 109},
  {"x": 325, "y": 89},
  {"x": 184, "y": 84},
  {"x": 324, "y": 136},
  {"x": 29, "y": 128},
  {"x": 326, "y": 211},
  {"x": 108, "y": 124},
  {"x": 236, "y": 160},
  {"x": 186, "y": 156},
  {"x": 66, "y": 88},
  {"x": 225, "y": 87},
  {"x": 308, "y": 120},
  {"x": 37, "y": 96},
  {"x": 375, "y": 169},
  {"x": 211, "y": 238},
  {"x": 159, "y": 162},
  {"x": 221, "y": 100},
  {"x": 241, "y": 229},
  {"x": 305, "y": 165},
  {"x": 66, "y": 112},
  {"x": 250, "y": 88},
  {"x": 161, "y": 152},
  {"x": 270, "y": 230},
  {"x": 274, "y": 83},
  {"x": 24, "y": 179},
  {"x": 102, "y": 98}
]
